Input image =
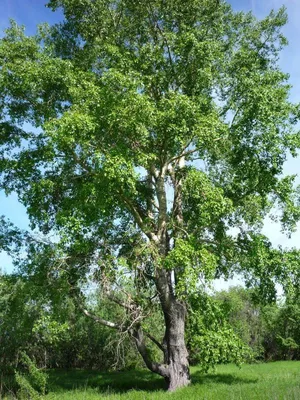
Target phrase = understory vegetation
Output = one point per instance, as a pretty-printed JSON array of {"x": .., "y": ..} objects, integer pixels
[
  {"x": 269, "y": 381},
  {"x": 41, "y": 341}
]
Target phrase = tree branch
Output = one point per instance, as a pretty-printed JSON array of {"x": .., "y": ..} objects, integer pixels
[
  {"x": 119, "y": 302},
  {"x": 101, "y": 321},
  {"x": 152, "y": 338},
  {"x": 155, "y": 367},
  {"x": 186, "y": 153},
  {"x": 139, "y": 218}
]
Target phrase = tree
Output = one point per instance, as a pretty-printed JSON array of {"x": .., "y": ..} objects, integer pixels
[
  {"x": 160, "y": 127},
  {"x": 244, "y": 315}
]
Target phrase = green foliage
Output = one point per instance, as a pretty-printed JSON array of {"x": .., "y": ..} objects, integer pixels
[
  {"x": 48, "y": 329},
  {"x": 159, "y": 131},
  {"x": 245, "y": 317},
  {"x": 204, "y": 203},
  {"x": 56, "y": 333},
  {"x": 32, "y": 383},
  {"x": 271, "y": 330},
  {"x": 281, "y": 337},
  {"x": 26, "y": 391},
  {"x": 111, "y": 118},
  {"x": 211, "y": 339},
  {"x": 17, "y": 316}
]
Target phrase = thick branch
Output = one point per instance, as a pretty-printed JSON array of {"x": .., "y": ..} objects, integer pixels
[
  {"x": 182, "y": 155},
  {"x": 100, "y": 320},
  {"x": 164, "y": 288},
  {"x": 119, "y": 302},
  {"x": 177, "y": 202},
  {"x": 162, "y": 201},
  {"x": 155, "y": 341},
  {"x": 136, "y": 213},
  {"x": 139, "y": 217},
  {"x": 155, "y": 367},
  {"x": 149, "y": 198}
]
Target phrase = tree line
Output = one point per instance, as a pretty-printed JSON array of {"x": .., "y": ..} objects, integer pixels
[{"x": 226, "y": 326}]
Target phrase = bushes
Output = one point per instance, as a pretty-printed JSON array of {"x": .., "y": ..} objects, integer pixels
[
  {"x": 272, "y": 330},
  {"x": 220, "y": 328},
  {"x": 210, "y": 338},
  {"x": 55, "y": 334},
  {"x": 28, "y": 382},
  {"x": 33, "y": 381}
]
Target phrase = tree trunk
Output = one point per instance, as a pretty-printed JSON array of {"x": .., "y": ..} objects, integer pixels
[
  {"x": 175, "y": 352},
  {"x": 175, "y": 367},
  {"x": 177, "y": 355}
]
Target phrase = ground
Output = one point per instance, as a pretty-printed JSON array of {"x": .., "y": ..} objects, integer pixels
[{"x": 272, "y": 381}]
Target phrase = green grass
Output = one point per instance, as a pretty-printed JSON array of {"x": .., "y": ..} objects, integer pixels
[{"x": 272, "y": 381}]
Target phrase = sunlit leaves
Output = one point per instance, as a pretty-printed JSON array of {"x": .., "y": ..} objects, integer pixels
[
  {"x": 135, "y": 102},
  {"x": 210, "y": 337},
  {"x": 204, "y": 202}
]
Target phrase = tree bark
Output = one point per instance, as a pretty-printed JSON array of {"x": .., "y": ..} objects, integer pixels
[
  {"x": 177, "y": 354},
  {"x": 175, "y": 351},
  {"x": 175, "y": 368}
]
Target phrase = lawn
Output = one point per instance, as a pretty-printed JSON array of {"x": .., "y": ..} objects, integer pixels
[{"x": 274, "y": 381}]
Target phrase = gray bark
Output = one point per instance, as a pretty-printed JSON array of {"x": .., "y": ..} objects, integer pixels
[
  {"x": 177, "y": 355},
  {"x": 175, "y": 351},
  {"x": 175, "y": 368},
  {"x": 175, "y": 365}
]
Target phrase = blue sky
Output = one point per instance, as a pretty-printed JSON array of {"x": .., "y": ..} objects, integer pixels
[{"x": 32, "y": 12}]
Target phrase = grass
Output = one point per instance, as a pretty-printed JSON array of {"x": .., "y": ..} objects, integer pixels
[{"x": 272, "y": 381}]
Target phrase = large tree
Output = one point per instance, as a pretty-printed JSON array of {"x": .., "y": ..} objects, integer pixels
[{"x": 150, "y": 138}]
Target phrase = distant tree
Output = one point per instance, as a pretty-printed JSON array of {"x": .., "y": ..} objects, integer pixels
[
  {"x": 270, "y": 330},
  {"x": 281, "y": 336},
  {"x": 159, "y": 127},
  {"x": 17, "y": 317},
  {"x": 244, "y": 316}
]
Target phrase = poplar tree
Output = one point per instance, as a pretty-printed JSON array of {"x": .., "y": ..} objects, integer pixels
[{"x": 150, "y": 138}]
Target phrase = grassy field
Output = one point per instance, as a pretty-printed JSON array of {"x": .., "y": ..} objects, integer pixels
[{"x": 273, "y": 381}]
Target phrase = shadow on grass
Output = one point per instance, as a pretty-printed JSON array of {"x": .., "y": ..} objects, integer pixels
[
  {"x": 117, "y": 382},
  {"x": 120, "y": 382},
  {"x": 198, "y": 378}
]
